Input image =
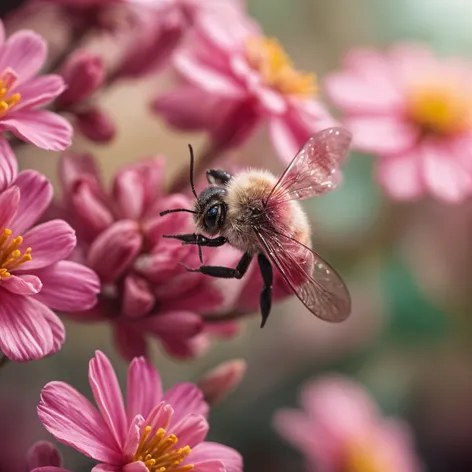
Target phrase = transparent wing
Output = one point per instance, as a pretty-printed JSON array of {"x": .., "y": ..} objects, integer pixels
[
  {"x": 314, "y": 170},
  {"x": 313, "y": 280}
]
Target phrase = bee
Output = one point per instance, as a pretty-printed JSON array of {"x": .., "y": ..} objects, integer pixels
[{"x": 260, "y": 215}]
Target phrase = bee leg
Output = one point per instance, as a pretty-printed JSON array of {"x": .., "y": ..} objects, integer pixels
[
  {"x": 218, "y": 177},
  {"x": 198, "y": 239},
  {"x": 226, "y": 272},
  {"x": 265, "y": 300}
]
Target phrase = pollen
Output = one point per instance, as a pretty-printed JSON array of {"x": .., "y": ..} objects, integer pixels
[
  {"x": 11, "y": 257},
  {"x": 268, "y": 57},
  {"x": 159, "y": 452},
  {"x": 440, "y": 107},
  {"x": 8, "y": 100}
]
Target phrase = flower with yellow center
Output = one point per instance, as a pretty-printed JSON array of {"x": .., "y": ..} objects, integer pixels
[
  {"x": 267, "y": 56},
  {"x": 362, "y": 457},
  {"x": 8, "y": 100},
  {"x": 159, "y": 452},
  {"x": 439, "y": 107},
  {"x": 11, "y": 257}
]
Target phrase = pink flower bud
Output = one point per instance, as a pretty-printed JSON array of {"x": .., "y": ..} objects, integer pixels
[
  {"x": 42, "y": 454},
  {"x": 96, "y": 125},
  {"x": 222, "y": 380},
  {"x": 84, "y": 74}
]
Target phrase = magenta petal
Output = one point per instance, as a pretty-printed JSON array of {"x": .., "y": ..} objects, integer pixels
[
  {"x": 25, "y": 53},
  {"x": 210, "y": 451},
  {"x": 133, "y": 436},
  {"x": 8, "y": 165},
  {"x": 186, "y": 398},
  {"x": 42, "y": 128},
  {"x": 128, "y": 194},
  {"x": 107, "y": 393},
  {"x": 73, "y": 420},
  {"x": 212, "y": 465},
  {"x": 57, "y": 329},
  {"x": 68, "y": 286},
  {"x": 138, "y": 300},
  {"x": 144, "y": 388},
  {"x": 176, "y": 324},
  {"x": 9, "y": 201},
  {"x": 191, "y": 430},
  {"x": 136, "y": 466},
  {"x": 115, "y": 249},
  {"x": 25, "y": 333},
  {"x": 22, "y": 284},
  {"x": 74, "y": 167},
  {"x": 39, "y": 90},
  {"x": 159, "y": 417},
  {"x": 130, "y": 342},
  {"x": 50, "y": 243},
  {"x": 43, "y": 453},
  {"x": 35, "y": 196},
  {"x": 107, "y": 468}
]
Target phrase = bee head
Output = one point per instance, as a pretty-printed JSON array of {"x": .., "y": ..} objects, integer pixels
[{"x": 210, "y": 210}]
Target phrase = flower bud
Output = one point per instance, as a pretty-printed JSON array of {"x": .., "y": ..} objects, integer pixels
[{"x": 96, "y": 125}]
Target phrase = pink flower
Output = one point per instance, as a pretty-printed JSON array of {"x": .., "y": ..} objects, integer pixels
[
  {"x": 43, "y": 456},
  {"x": 233, "y": 78},
  {"x": 144, "y": 289},
  {"x": 153, "y": 431},
  {"x": 22, "y": 94},
  {"x": 341, "y": 429},
  {"x": 414, "y": 111},
  {"x": 34, "y": 277}
]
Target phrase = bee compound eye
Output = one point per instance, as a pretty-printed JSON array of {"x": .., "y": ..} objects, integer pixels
[{"x": 211, "y": 217}]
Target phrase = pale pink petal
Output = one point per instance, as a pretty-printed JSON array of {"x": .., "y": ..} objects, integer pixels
[
  {"x": 2, "y": 33},
  {"x": 186, "y": 398},
  {"x": 43, "y": 453},
  {"x": 138, "y": 299},
  {"x": 400, "y": 175},
  {"x": 22, "y": 284},
  {"x": 8, "y": 165},
  {"x": 210, "y": 451},
  {"x": 133, "y": 436},
  {"x": 128, "y": 194},
  {"x": 129, "y": 341},
  {"x": 191, "y": 430},
  {"x": 42, "y": 128},
  {"x": 159, "y": 417},
  {"x": 144, "y": 388},
  {"x": 107, "y": 468},
  {"x": 212, "y": 465},
  {"x": 135, "y": 467},
  {"x": 24, "y": 52},
  {"x": 75, "y": 167},
  {"x": 57, "y": 329},
  {"x": 107, "y": 393},
  {"x": 25, "y": 334},
  {"x": 35, "y": 196},
  {"x": 9, "y": 201},
  {"x": 50, "y": 242},
  {"x": 74, "y": 421},
  {"x": 39, "y": 91},
  {"x": 115, "y": 249},
  {"x": 379, "y": 135},
  {"x": 179, "y": 324},
  {"x": 68, "y": 286}
]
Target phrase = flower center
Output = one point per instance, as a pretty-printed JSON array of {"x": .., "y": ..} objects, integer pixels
[
  {"x": 359, "y": 458},
  {"x": 440, "y": 108},
  {"x": 10, "y": 256},
  {"x": 267, "y": 56},
  {"x": 8, "y": 79},
  {"x": 159, "y": 454}
]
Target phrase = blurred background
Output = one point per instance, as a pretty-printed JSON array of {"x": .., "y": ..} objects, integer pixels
[{"x": 408, "y": 267}]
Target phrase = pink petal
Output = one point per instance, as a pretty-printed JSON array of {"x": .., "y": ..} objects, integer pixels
[
  {"x": 191, "y": 430},
  {"x": 25, "y": 53},
  {"x": 95, "y": 124},
  {"x": 2, "y": 33},
  {"x": 159, "y": 417},
  {"x": 178, "y": 324},
  {"x": 42, "y": 128},
  {"x": 74, "y": 421},
  {"x": 50, "y": 242},
  {"x": 187, "y": 348},
  {"x": 210, "y": 451},
  {"x": 135, "y": 467},
  {"x": 138, "y": 300},
  {"x": 74, "y": 167},
  {"x": 35, "y": 196},
  {"x": 115, "y": 249},
  {"x": 25, "y": 333},
  {"x": 57, "y": 329},
  {"x": 40, "y": 90},
  {"x": 9, "y": 201},
  {"x": 107, "y": 468},
  {"x": 107, "y": 393},
  {"x": 128, "y": 194},
  {"x": 210, "y": 466},
  {"x": 8, "y": 165},
  {"x": 400, "y": 175},
  {"x": 68, "y": 286},
  {"x": 43, "y": 453},
  {"x": 130, "y": 342},
  {"x": 133, "y": 436},
  {"x": 50, "y": 469},
  {"x": 22, "y": 284},
  {"x": 144, "y": 388},
  {"x": 186, "y": 398}
]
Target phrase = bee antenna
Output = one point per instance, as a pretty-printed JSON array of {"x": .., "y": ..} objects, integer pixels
[
  {"x": 166, "y": 212},
  {"x": 192, "y": 162}
]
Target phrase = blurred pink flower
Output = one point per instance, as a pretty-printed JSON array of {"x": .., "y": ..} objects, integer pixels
[
  {"x": 153, "y": 431},
  {"x": 414, "y": 110},
  {"x": 340, "y": 428},
  {"x": 43, "y": 456},
  {"x": 233, "y": 78},
  {"x": 34, "y": 277},
  {"x": 21, "y": 93},
  {"x": 144, "y": 289}
]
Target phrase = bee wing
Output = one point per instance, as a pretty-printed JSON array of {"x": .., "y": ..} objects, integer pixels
[
  {"x": 313, "y": 171},
  {"x": 313, "y": 280}
]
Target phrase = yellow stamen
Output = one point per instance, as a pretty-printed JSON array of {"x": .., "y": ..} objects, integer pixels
[
  {"x": 11, "y": 256},
  {"x": 8, "y": 79},
  {"x": 363, "y": 457},
  {"x": 440, "y": 107},
  {"x": 158, "y": 453},
  {"x": 267, "y": 56}
]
